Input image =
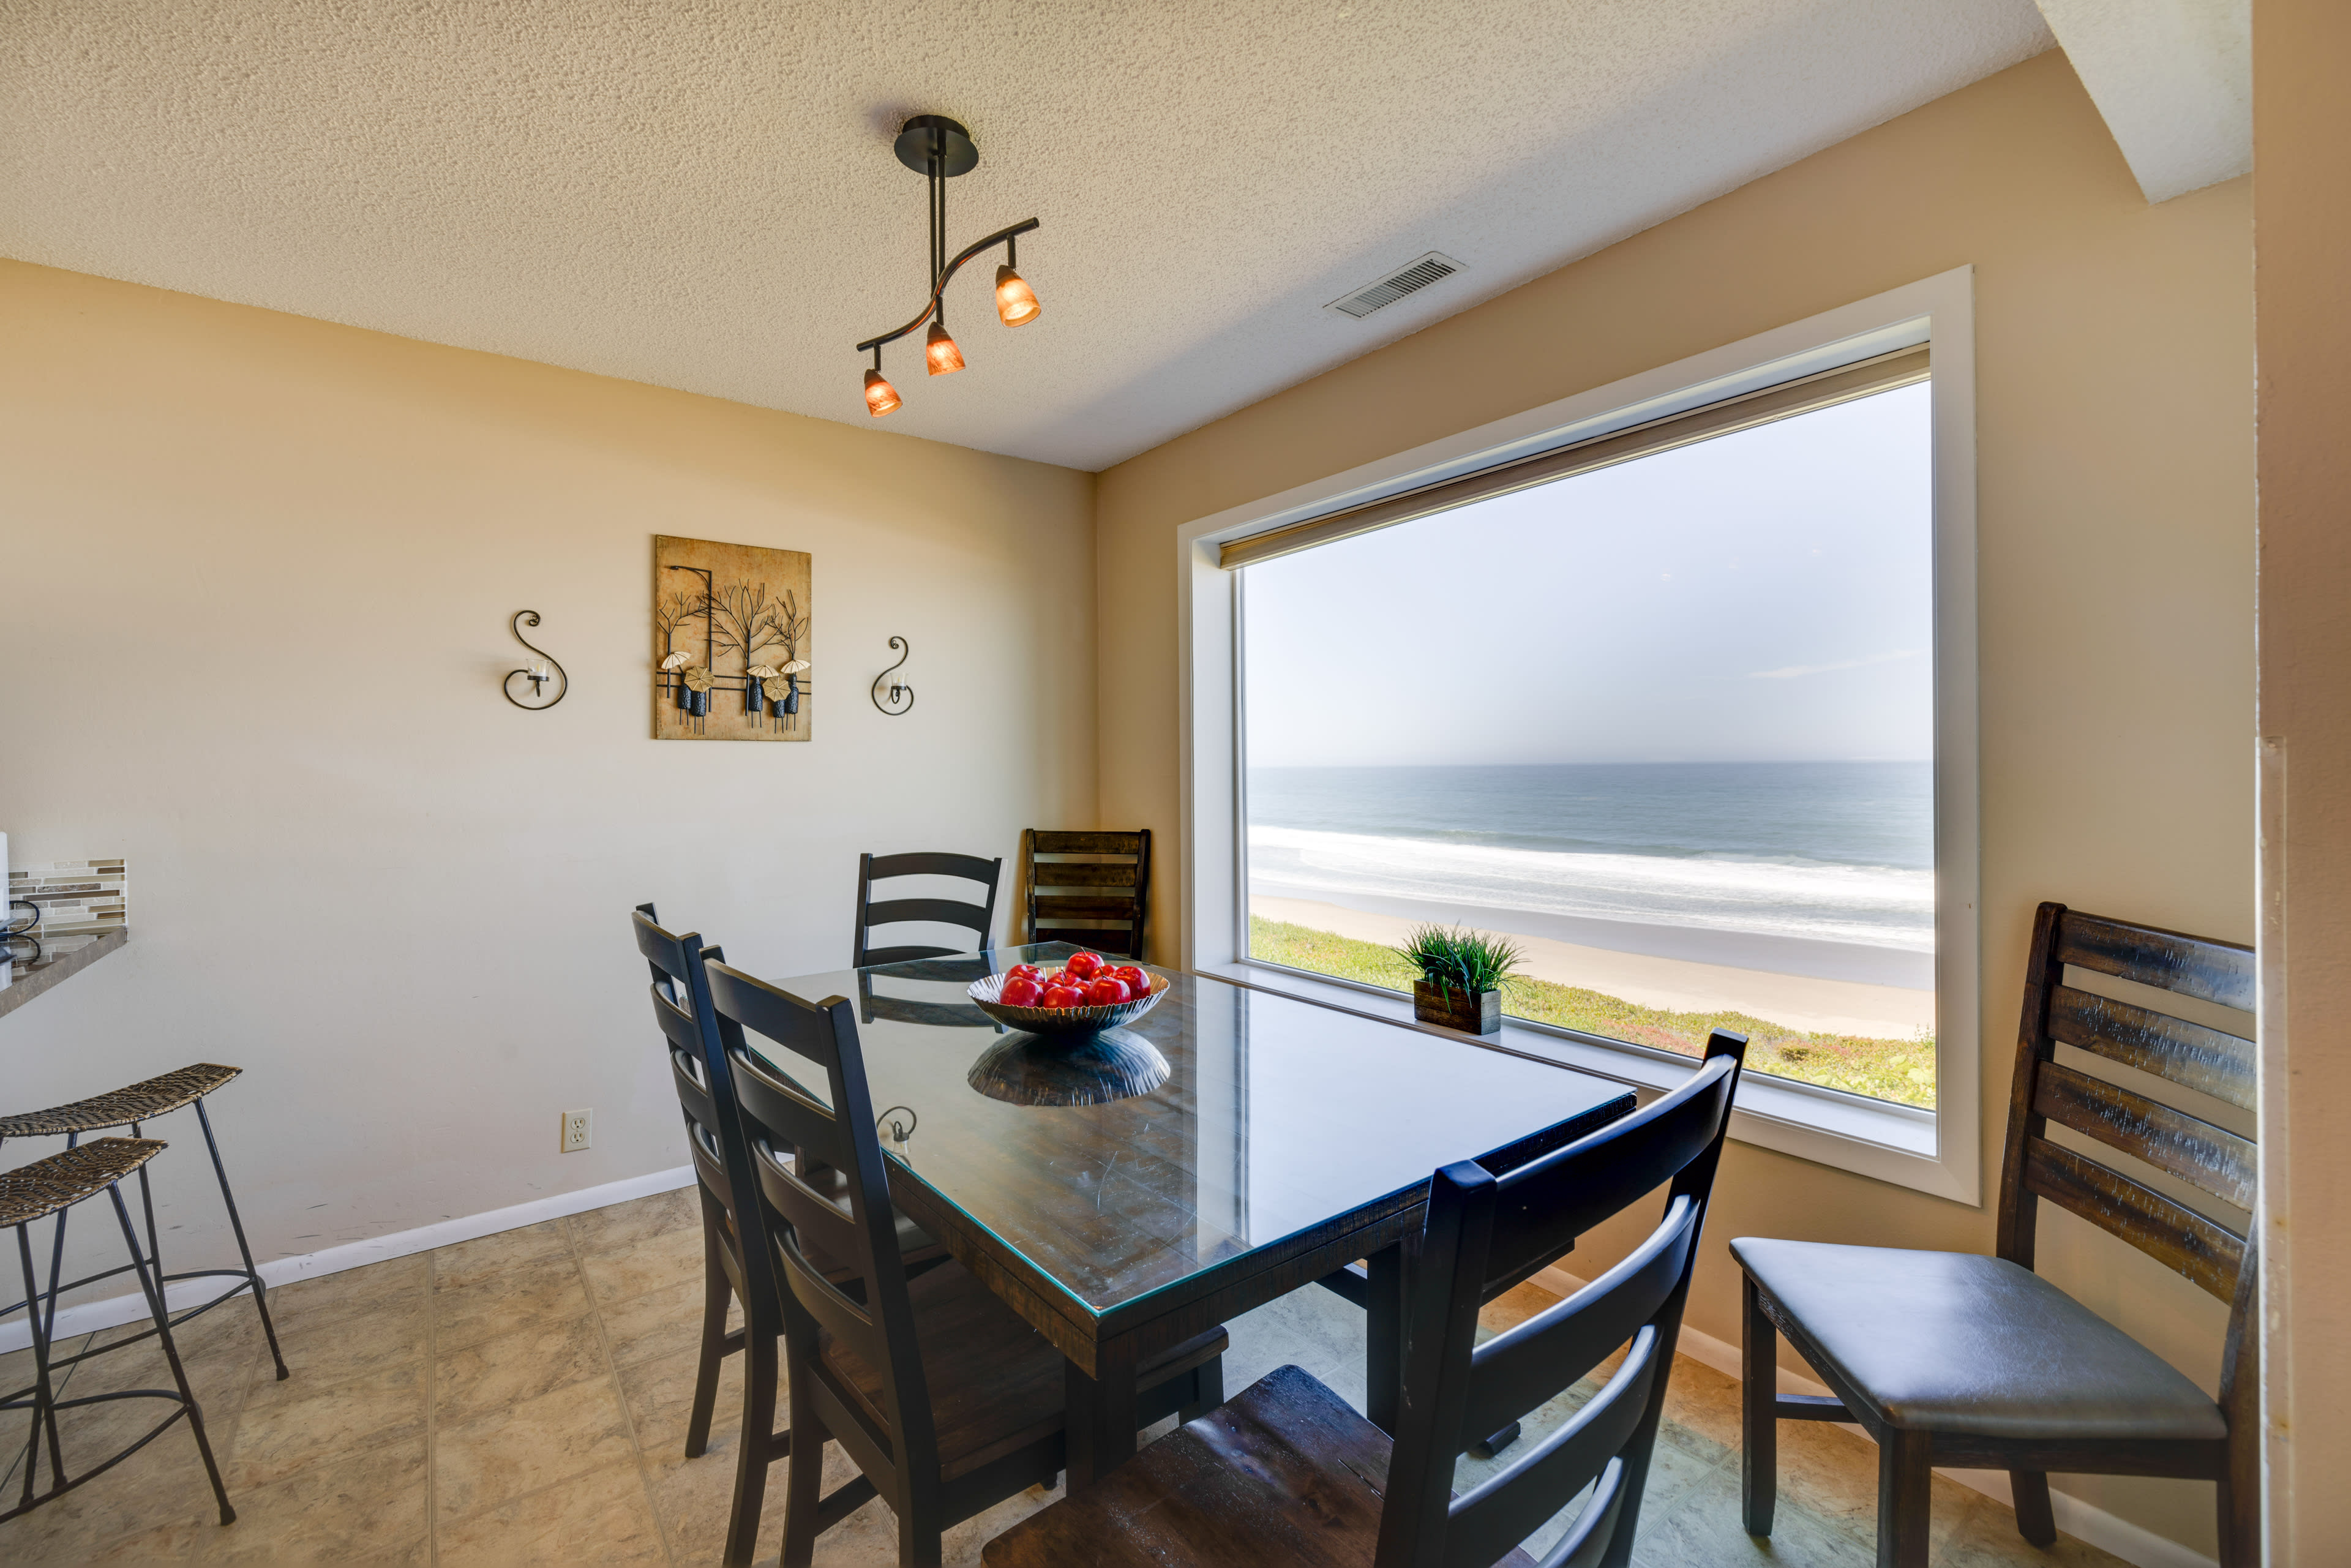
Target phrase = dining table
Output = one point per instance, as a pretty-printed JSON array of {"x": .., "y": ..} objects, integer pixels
[{"x": 1126, "y": 1191}]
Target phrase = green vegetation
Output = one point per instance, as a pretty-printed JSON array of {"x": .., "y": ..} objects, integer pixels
[
  {"x": 1902, "y": 1070},
  {"x": 1468, "y": 960}
]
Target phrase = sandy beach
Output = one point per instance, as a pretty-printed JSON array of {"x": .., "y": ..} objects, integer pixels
[{"x": 1681, "y": 985}]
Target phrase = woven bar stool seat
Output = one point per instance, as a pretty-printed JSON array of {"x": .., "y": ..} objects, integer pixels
[
  {"x": 131, "y": 1106},
  {"x": 38, "y": 1190},
  {"x": 138, "y": 1102}
]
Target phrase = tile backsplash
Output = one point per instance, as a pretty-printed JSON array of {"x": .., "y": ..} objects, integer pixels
[{"x": 74, "y": 895}]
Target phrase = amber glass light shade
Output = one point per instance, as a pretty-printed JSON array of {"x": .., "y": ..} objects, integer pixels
[
  {"x": 881, "y": 397},
  {"x": 1015, "y": 302},
  {"x": 941, "y": 351}
]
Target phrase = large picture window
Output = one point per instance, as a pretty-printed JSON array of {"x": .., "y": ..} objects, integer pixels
[{"x": 1667, "y": 724}]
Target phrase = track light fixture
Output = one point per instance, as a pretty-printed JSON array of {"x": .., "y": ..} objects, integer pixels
[{"x": 939, "y": 149}]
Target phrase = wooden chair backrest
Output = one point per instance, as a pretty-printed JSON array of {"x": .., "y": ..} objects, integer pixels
[
  {"x": 2217, "y": 1256},
  {"x": 1092, "y": 889},
  {"x": 697, "y": 1071},
  {"x": 838, "y": 1263},
  {"x": 2206, "y": 1156},
  {"x": 979, "y": 918},
  {"x": 714, "y": 1127},
  {"x": 1480, "y": 1222}
]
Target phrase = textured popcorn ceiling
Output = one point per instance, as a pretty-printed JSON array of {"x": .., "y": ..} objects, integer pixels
[{"x": 702, "y": 194}]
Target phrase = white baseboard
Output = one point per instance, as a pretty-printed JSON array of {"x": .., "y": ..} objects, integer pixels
[
  {"x": 2085, "y": 1522},
  {"x": 111, "y": 1311}
]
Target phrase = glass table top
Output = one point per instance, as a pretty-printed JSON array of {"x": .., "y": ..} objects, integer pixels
[{"x": 1273, "y": 1116}]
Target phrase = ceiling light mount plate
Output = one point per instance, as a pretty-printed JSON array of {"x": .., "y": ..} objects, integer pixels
[{"x": 924, "y": 134}]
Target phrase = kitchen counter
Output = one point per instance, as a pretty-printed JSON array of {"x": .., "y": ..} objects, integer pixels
[{"x": 62, "y": 958}]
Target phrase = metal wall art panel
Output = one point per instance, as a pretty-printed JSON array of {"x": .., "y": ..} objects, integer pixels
[{"x": 731, "y": 642}]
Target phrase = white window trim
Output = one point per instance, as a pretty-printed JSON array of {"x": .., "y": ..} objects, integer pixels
[{"x": 1941, "y": 1155}]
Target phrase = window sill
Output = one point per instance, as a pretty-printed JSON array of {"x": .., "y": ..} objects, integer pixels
[{"x": 1890, "y": 1143}]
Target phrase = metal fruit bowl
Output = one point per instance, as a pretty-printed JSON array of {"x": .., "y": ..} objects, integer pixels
[{"x": 1064, "y": 1021}]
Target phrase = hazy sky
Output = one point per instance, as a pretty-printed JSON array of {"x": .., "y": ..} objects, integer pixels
[{"x": 1765, "y": 596}]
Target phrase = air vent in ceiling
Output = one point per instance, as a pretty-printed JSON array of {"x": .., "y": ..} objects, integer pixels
[{"x": 1410, "y": 278}]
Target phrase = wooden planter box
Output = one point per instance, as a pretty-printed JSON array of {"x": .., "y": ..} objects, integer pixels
[{"x": 1456, "y": 1008}]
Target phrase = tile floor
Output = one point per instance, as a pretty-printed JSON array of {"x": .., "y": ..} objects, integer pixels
[{"x": 523, "y": 1399}]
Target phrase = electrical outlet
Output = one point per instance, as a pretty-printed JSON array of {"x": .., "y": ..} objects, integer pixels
[{"x": 576, "y": 1125}]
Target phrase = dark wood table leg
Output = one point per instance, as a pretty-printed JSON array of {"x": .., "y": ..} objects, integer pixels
[
  {"x": 1384, "y": 1319},
  {"x": 1102, "y": 1410}
]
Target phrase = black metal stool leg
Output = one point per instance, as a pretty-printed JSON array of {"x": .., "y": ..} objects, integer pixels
[
  {"x": 154, "y": 1289},
  {"x": 56, "y": 1257},
  {"x": 237, "y": 1224},
  {"x": 45, "y": 1398}
]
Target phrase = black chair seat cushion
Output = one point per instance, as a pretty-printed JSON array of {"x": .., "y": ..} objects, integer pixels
[
  {"x": 996, "y": 1383},
  {"x": 1954, "y": 1342},
  {"x": 1288, "y": 1473}
]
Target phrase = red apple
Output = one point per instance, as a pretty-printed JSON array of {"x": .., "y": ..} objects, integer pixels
[
  {"x": 1083, "y": 965},
  {"x": 1023, "y": 972},
  {"x": 1061, "y": 996},
  {"x": 1106, "y": 992},
  {"x": 1138, "y": 983},
  {"x": 1020, "y": 991}
]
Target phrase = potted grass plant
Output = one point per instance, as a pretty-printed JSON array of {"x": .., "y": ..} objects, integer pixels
[{"x": 1461, "y": 975}]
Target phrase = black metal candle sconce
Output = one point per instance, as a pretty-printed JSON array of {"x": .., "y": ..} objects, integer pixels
[
  {"x": 901, "y": 698},
  {"x": 538, "y": 672}
]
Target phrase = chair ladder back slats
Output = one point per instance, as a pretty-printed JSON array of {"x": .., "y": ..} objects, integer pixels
[
  {"x": 1097, "y": 903},
  {"x": 2173, "y": 1235},
  {"x": 2196, "y": 966},
  {"x": 693, "y": 1093},
  {"x": 2193, "y": 1056},
  {"x": 926, "y": 862},
  {"x": 1058, "y": 907},
  {"x": 1084, "y": 874},
  {"x": 2212, "y": 1158},
  {"x": 979, "y": 917},
  {"x": 710, "y": 1164},
  {"x": 937, "y": 911},
  {"x": 879, "y": 1330},
  {"x": 2176, "y": 1050},
  {"x": 1561, "y": 1343},
  {"x": 834, "y": 1308},
  {"x": 1484, "y": 1525},
  {"x": 681, "y": 1006},
  {"x": 1586, "y": 1542},
  {"x": 681, "y": 1028},
  {"x": 1054, "y": 841},
  {"x": 1569, "y": 1190},
  {"x": 1454, "y": 1387}
]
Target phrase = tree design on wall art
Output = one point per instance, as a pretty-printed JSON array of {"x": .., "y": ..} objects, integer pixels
[{"x": 731, "y": 642}]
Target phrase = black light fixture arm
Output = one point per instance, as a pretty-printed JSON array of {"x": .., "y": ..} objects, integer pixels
[{"x": 1001, "y": 236}]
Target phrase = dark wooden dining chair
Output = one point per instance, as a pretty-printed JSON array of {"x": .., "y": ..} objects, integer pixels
[
  {"x": 1956, "y": 1359},
  {"x": 705, "y": 1097},
  {"x": 946, "y": 1399},
  {"x": 1289, "y": 1475},
  {"x": 1092, "y": 889},
  {"x": 979, "y": 918}
]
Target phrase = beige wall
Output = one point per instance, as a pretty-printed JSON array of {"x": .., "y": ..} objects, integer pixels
[
  {"x": 258, "y": 574},
  {"x": 2301, "y": 214},
  {"x": 2113, "y": 369}
]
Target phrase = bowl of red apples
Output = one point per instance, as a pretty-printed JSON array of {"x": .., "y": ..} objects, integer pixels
[{"x": 1087, "y": 994}]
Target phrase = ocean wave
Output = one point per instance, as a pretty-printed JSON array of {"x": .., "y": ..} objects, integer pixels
[{"x": 1876, "y": 906}]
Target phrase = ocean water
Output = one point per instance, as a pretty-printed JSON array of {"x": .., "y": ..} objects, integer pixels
[{"x": 1827, "y": 851}]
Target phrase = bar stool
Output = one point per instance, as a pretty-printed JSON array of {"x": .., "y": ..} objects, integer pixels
[
  {"x": 53, "y": 1186},
  {"x": 131, "y": 1107}
]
